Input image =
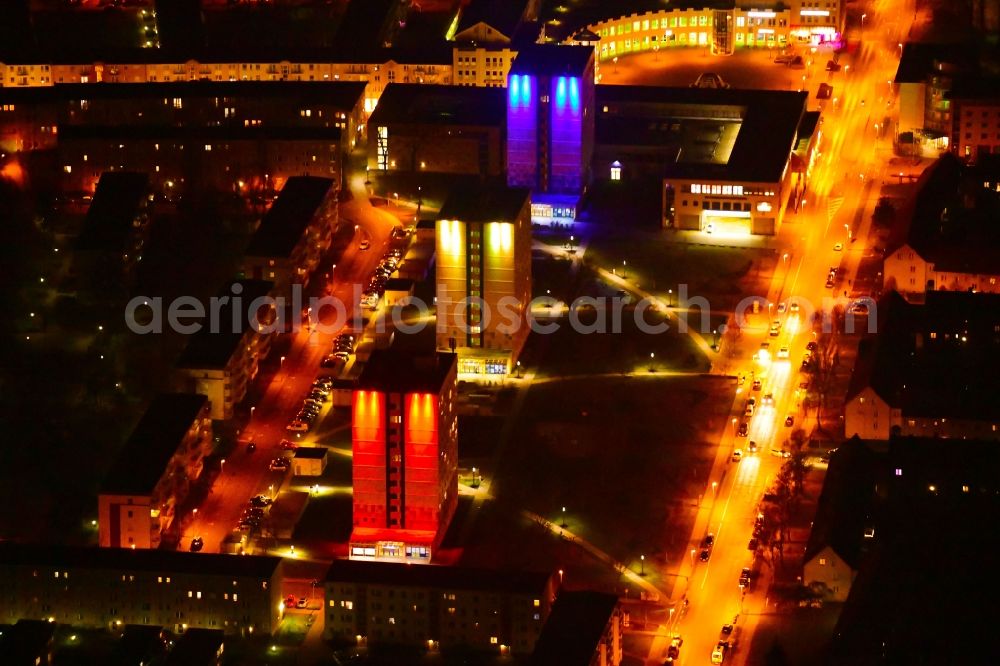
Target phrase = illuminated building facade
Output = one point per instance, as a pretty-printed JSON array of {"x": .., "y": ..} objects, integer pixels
[
  {"x": 721, "y": 29},
  {"x": 153, "y": 473},
  {"x": 550, "y": 126},
  {"x": 483, "y": 266},
  {"x": 405, "y": 456},
  {"x": 437, "y": 607},
  {"x": 113, "y": 587}
]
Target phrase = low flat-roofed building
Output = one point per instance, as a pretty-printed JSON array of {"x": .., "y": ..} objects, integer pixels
[
  {"x": 115, "y": 230},
  {"x": 438, "y": 129},
  {"x": 153, "y": 472},
  {"x": 221, "y": 364},
  {"x": 583, "y": 629},
  {"x": 113, "y": 587},
  {"x": 726, "y": 157},
  {"x": 294, "y": 233},
  {"x": 139, "y": 644},
  {"x": 929, "y": 371},
  {"x": 309, "y": 461},
  {"x": 946, "y": 237},
  {"x": 27, "y": 643},
  {"x": 197, "y": 647},
  {"x": 436, "y": 606},
  {"x": 252, "y": 160}
]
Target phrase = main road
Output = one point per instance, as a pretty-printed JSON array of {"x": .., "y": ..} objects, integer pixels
[{"x": 853, "y": 159}]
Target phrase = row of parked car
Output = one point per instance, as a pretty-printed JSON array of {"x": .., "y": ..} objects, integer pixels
[
  {"x": 343, "y": 347},
  {"x": 376, "y": 284},
  {"x": 311, "y": 406},
  {"x": 253, "y": 514}
]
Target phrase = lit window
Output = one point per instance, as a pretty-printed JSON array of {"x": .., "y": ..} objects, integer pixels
[
  {"x": 198, "y": 594},
  {"x": 208, "y": 147},
  {"x": 616, "y": 171},
  {"x": 537, "y": 603},
  {"x": 822, "y": 561},
  {"x": 68, "y": 169}
]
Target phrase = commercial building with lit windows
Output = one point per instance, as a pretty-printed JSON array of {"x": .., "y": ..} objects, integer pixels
[
  {"x": 153, "y": 473},
  {"x": 405, "y": 455},
  {"x": 550, "y": 126},
  {"x": 113, "y": 587},
  {"x": 730, "y": 161},
  {"x": 436, "y": 607},
  {"x": 483, "y": 264},
  {"x": 720, "y": 26}
]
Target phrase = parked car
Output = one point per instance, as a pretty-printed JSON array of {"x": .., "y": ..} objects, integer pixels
[
  {"x": 365, "y": 244},
  {"x": 197, "y": 544},
  {"x": 708, "y": 541},
  {"x": 287, "y": 445},
  {"x": 743, "y": 430},
  {"x": 280, "y": 464},
  {"x": 737, "y": 455}
]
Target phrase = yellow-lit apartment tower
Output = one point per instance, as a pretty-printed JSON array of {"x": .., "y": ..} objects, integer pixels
[{"x": 483, "y": 263}]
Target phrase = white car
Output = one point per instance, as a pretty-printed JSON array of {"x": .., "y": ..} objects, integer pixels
[
  {"x": 838, "y": 247},
  {"x": 783, "y": 352},
  {"x": 737, "y": 455},
  {"x": 365, "y": 244}
]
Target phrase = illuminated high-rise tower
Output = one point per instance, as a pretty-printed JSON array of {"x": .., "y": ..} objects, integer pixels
[
  {"x": 404, "y": 436},
  {"x": 550, "y": 126},
  {"x": 483, "y": 265}
]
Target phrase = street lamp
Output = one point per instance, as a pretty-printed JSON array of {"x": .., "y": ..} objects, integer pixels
[
  {"x": 615, "y": 60},
  {"x": 715, "y": 487},
  {"x": 652, "y": 356},
  {"x": 670, "y": 297},
  {"x": 734, "y": 425},
  {"x": 863, "y": 17},
  {"x": 222, "y": 466},
  {"x": 518, "y": 366},
  {"x": 563, "y": 525},
  {"x": 642, "y": 565},
  {"x": 693, "y": 551}
]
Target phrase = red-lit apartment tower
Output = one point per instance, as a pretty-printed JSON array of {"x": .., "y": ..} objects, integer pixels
[{"x": 405, "y": 445}]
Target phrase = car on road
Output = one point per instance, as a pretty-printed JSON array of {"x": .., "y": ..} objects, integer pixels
[
  {"x": 859, "y": 309},
  {"x": 197, "y": 544},
  {"x": 719, "y": 653},
  {"x": 794, "y": 307},
  {"x": 674, "y": 649},
  {"x": 743, "y": 430},
  {"x": 811, "y": 346},
  {"x": 789, "y": 421},
  {"x": 780, "y": 453},
  {"x": 775, "y": 330},
  {"x": 837, "y": 247},
  {"x": 751, "y": 406},
  {"x": 752, "y": 447},
  {"x": 737, "y": 455},
  {"x": 745, "y": 577},
  {"x": 280, "y": 464},
  {"x": 297, "y": 426},
  {"x": 365, "y": 244},
  {"x": 783, "y": 352},
  {"x": 768, "y": 399},
  {"x": 708, "y": 541},
  {"x": 756, "y": 385},
  {"x": 782, "y": 307},
  {"x": 260, "y": 501},
  {"x": 287, "y": 445},
  {"x": 704, "y": 555}
]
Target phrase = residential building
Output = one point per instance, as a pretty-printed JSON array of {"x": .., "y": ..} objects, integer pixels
[
  {"x": 405, "y": 455},
  {"x": 550, "y": 126},
  {"x": 920, "y": 590},
  {"x": 254, "y": 160},
  {"x": 437, "y": 129},
  {"x": 309, "y": 461},
  {"x": 436, "y": 607},
  {"x": 28, "y": 643},
  {"x": 482, "y": 65},
  {"x": 946, "y": 238},
  {"x": 929, "y": 370},
  {"x": 975, "y": 117},
  {"x": 115, "y": 231},
  {"x": 730, "y": 161},
  {"x": 494, "y": 21},
  {"x": 113, "y": 587},
  {"x": 483, "y": 269},
  {"x": 926, "y": 73},
  {"x": 294, "y": 233},
  {"x": 584, "y": 629},
  {"x": 139, "y": 644},
  {"x": 335, "y": 104},
  {"x": 220, "y": 361},
  {"x": 138, "y": 500},
  {"x": 844, "y": 526}
]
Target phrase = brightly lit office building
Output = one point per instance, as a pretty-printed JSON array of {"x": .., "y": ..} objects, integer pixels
[
  {"x": 721, "y": 26},
  {"x": 405, "y": 456},
  {"x": 483, "y": 263},
  {"x": 550, "y": 121}
]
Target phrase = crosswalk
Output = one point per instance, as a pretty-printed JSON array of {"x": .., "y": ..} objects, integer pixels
[{"x": 833, "y": 204}]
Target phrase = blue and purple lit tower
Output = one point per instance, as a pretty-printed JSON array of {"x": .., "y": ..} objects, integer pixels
[{"x": 550, "y": 126}]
